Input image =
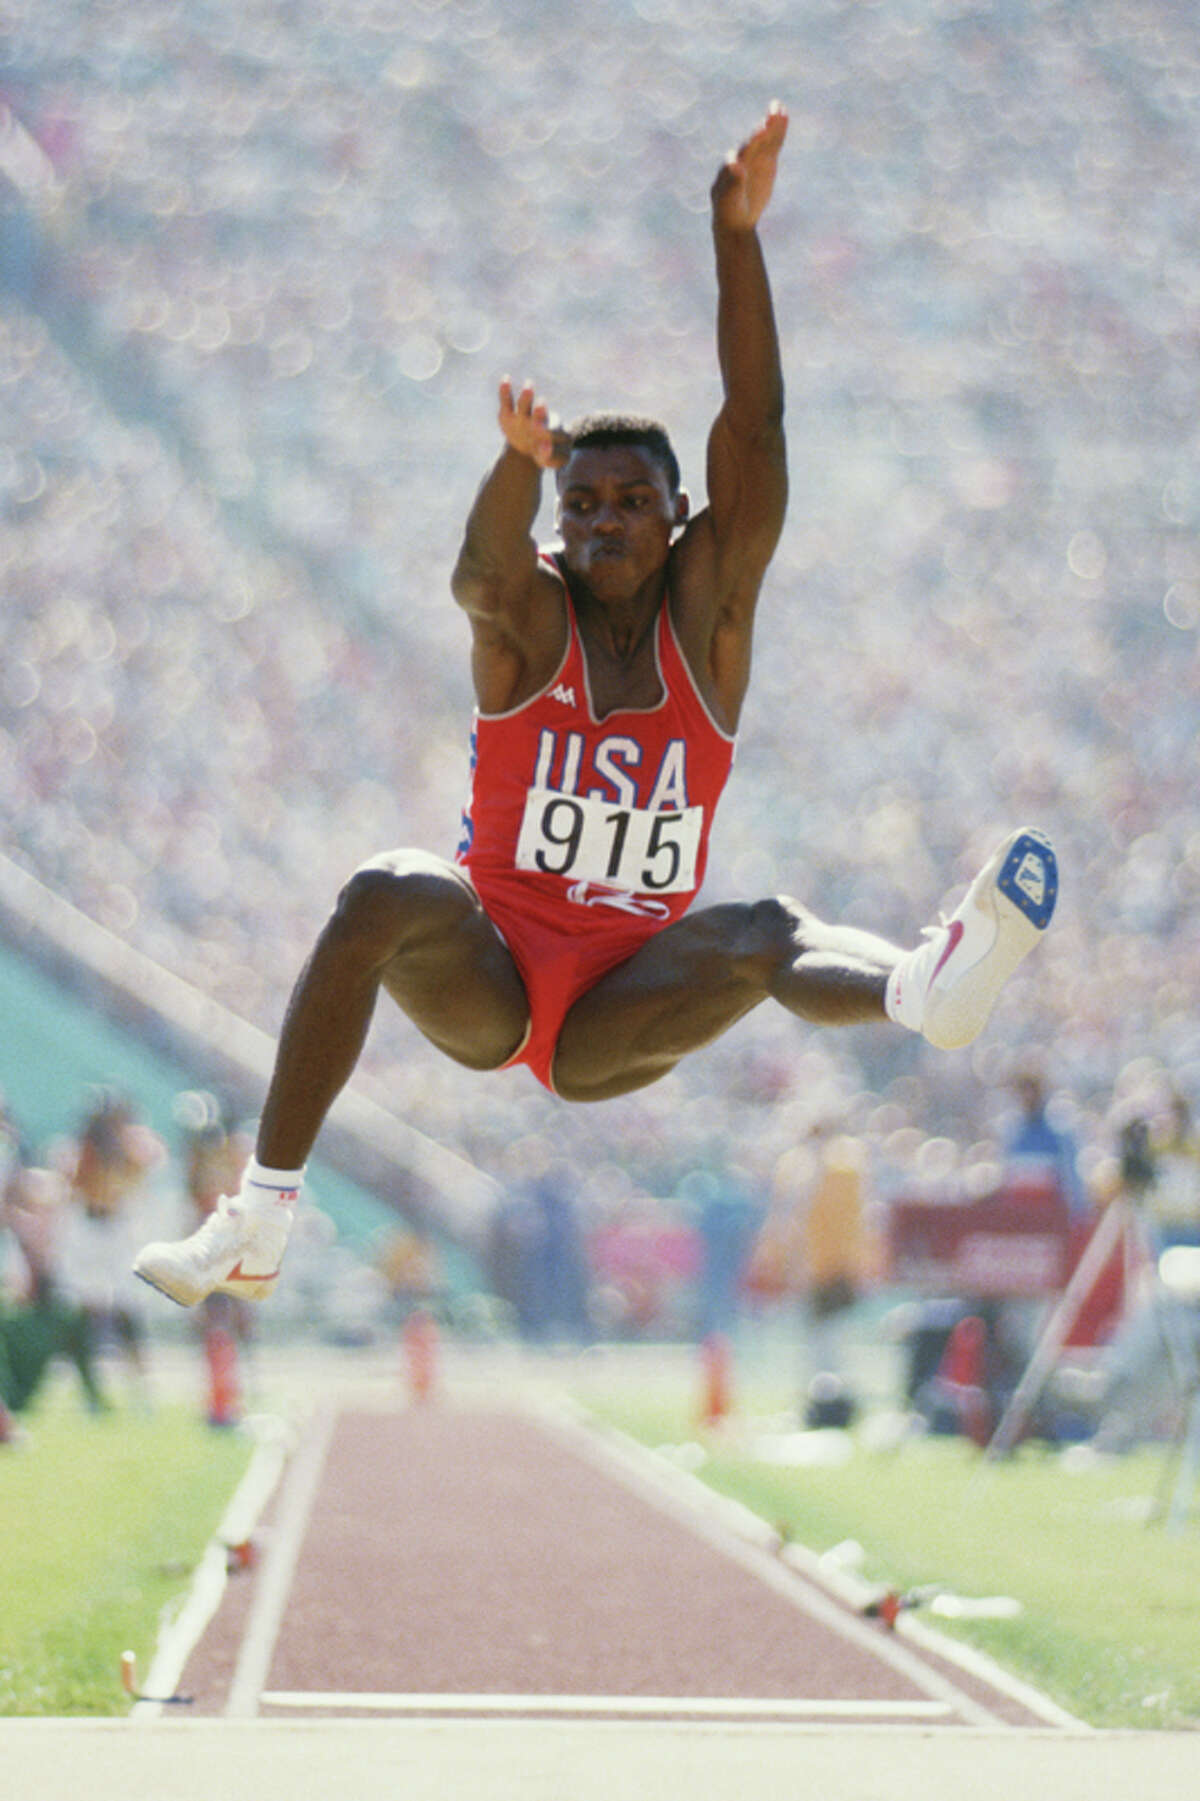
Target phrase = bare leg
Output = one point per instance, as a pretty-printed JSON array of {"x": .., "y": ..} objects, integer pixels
[
  {"x": 412, "y": 924},
  {"x": 698, "y": 977},
  {"x": 406, "y": 922}
]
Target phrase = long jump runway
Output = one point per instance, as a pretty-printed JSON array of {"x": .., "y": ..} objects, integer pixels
[
  {"x": 498, "y": 1602},
  {"x": 479, "y": 1562}
]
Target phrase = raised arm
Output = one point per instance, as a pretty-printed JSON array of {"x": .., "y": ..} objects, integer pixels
[
  {"x": 515, "y": 607},
  {"x": 727, "y": 548},
  {"x": 747, "y": 467}
]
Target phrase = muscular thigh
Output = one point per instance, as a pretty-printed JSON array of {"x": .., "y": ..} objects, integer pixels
[
  {"x": 683, "y": 988},
  {"x": 442, "y": 960}
]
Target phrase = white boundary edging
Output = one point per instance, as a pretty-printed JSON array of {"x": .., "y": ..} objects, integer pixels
[
  {"x": 271, "y": 1595},
  {"x": 599, "y": 1707},
  {"x": 179, "y": 1638}
]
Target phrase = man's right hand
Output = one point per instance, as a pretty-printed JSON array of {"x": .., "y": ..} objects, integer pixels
[{"x": 525, "y": 422}]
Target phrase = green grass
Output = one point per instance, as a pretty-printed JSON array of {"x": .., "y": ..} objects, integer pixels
[
  {"x": 1110, "y": 1603},
  {"x": 102, "y": 1521}
]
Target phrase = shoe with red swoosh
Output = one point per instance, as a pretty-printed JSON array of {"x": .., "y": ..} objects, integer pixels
[
  {"x": 947, "y": 987},
  {"x": 237, "y": 1251}
]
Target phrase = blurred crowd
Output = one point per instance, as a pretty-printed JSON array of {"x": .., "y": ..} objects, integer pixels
[
  {"x": 75, "y": 1210},
  {"x": 69, "y": 1227},
  {"x": 261, "y": 268}
]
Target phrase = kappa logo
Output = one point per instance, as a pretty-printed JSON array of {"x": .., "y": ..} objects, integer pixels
[{"x": 563, "y": 693}]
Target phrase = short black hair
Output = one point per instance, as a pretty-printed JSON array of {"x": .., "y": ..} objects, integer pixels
[{"x": 602, "y": 431}]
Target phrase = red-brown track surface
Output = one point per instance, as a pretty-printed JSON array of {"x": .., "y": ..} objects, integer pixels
[{"x": 450, "y": 1555}]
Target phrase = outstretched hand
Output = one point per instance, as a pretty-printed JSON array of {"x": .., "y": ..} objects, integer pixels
[
  {"x": 526, "y": 423},
  {"x": 746, "y": 177}
]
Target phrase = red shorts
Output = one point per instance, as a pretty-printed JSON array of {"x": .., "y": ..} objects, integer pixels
[{"x": 561, "y": 950}]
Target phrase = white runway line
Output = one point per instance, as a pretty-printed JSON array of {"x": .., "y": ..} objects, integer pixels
[
  {"x": 598, "y": 1706},
  {"x": 279, "y": 1569},
  {"x": 179, "y": 1639}
]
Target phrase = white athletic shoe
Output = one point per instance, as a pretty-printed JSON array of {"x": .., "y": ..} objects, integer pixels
[
  {"x": 237, "y": 1251},
  {"x": 947, "y": 987}
]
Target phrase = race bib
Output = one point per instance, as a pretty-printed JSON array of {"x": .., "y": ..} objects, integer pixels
[{"x": 594, "y": 841}]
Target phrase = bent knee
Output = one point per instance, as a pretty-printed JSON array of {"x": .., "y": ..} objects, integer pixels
[
  {"x": 790, "y": 923},
  {"x": 764, "y": 928},
  {"x": 394, "y": 895},
  {"x": 750, "y": 939}
]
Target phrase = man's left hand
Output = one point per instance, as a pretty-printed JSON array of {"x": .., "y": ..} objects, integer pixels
[{"x": 745, "y": 179}]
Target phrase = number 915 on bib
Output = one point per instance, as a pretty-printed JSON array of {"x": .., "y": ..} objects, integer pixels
[{"x": 592, "y": 840}]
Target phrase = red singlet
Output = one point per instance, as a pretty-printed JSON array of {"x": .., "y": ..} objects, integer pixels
[{"x": 584, "y": 837}]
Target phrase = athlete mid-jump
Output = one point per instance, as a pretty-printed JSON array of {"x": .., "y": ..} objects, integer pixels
[{"x": 609, "y": 679}]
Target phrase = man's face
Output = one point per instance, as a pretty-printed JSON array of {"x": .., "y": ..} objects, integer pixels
[{"x": 617, "y": 516}]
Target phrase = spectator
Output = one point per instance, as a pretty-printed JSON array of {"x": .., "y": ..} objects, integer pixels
[
  {"x": 36, "y": 1323},
  {"x": 1173, "y": 1201},
  {"x": 99, "y": 1229},
  {"x": 1036, "y": 1151},
  {"x": 813, "y": 1248},
  {"x": 1149, "y": 1364},
  {"x": 409, "y": 1263},
  {"x": 728, "y": 1218},
  {"x": 536, "y": 1257},
  {"x": 214, "y": 1156},
  {"x": 835, "y": 1265},
  {"x": 10, "y": 1165}
]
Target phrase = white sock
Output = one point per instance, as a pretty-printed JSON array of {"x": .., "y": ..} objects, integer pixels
[{"x": 263, "y": 1188}]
